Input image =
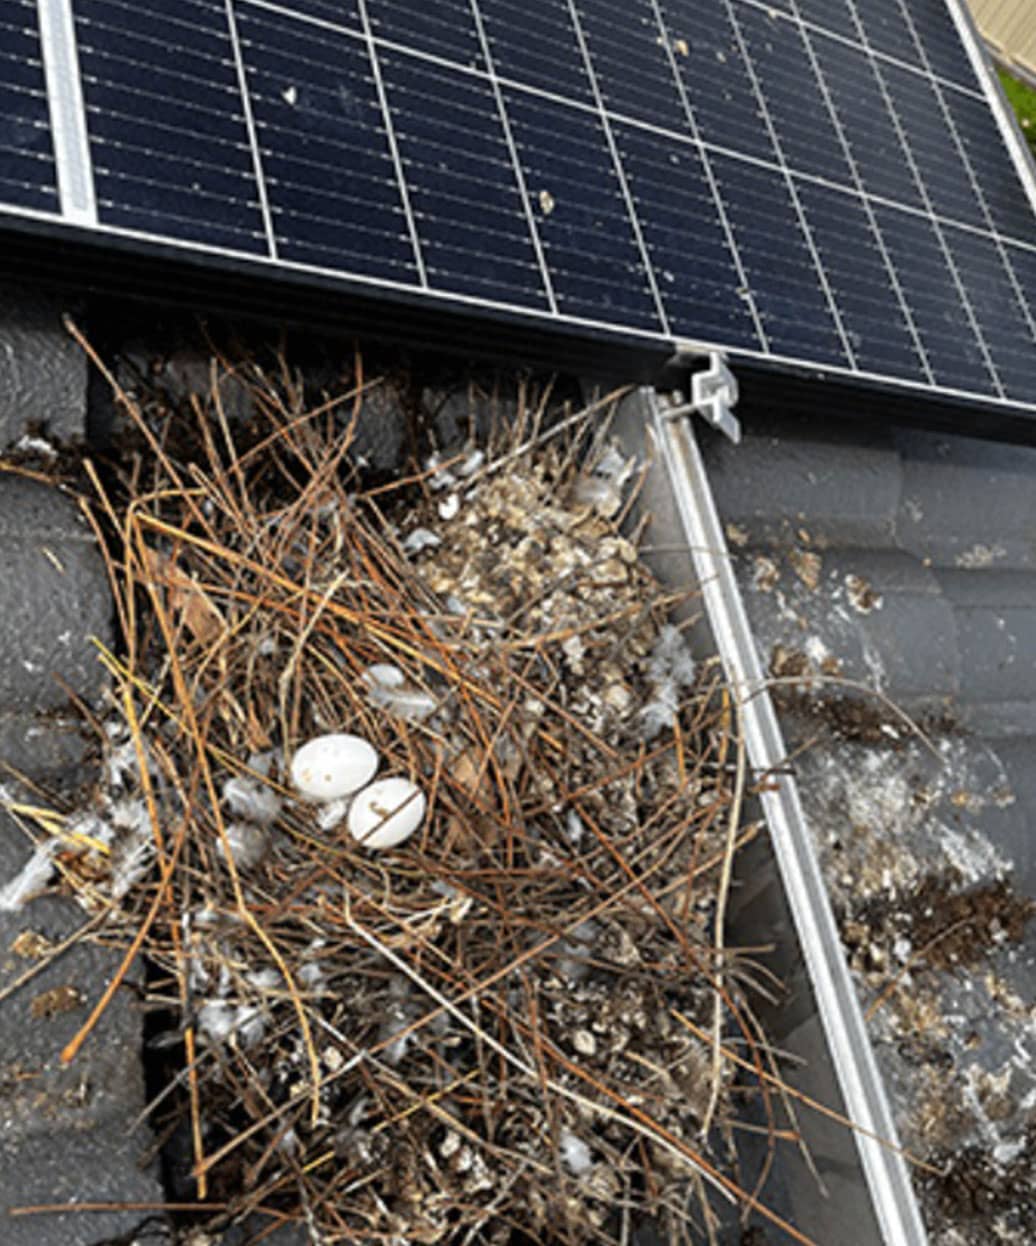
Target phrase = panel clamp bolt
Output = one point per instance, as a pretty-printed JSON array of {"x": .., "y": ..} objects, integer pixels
[{"x": 714, "y": 393}]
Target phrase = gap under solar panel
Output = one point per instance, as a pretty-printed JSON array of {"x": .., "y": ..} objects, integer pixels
[{"x": 818, "y": 183}]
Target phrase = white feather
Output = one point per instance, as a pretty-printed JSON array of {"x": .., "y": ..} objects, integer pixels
[
  {"x": 33, "y": 877},
  {"x": 575, "y": 1154}
]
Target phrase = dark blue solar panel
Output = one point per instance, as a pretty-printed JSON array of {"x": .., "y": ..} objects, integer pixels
[
  {"x": 856, "y": 89},
  {"x": 887, "y": 28},
  {"x": 344, "y": 14},
  {"x": 819, "y": 183},
  {"x": 992, "y": 295},
  {"x": 27, "y": 175},
  {"x": 444, "y": 28},
  {"x": 794, "y": 95},
  {"x": 472, "y": 220},
  {"x": 950, "y": 342},
  {"x": 862, "y": 281},
  {"x": 166, "y": 124},
  {"x": 582, "y": 218},
  {"x": 327, "y": 165},
  {"x": 987, "y": 155},
  {"x": 717, "y": 78},
  {"x": 533, "y": 42},
  {"x": 943, "y": 50},
  {"x": 633, "y": 65},
  {"x": 949, "y": 186},
  {"x": 698, "y": 282},
  {"x": 831, "y": 15},
  {"x": 778, "y": 262}
]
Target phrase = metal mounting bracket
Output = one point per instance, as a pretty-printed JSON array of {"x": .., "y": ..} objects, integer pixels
[{"x": 713, "y": 395}]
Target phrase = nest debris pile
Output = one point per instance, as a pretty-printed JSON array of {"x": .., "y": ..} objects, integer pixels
[{"x": 499, "y": 1032}]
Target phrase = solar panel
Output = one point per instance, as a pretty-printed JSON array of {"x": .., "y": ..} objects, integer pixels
[{"x": 819, "y": 185}]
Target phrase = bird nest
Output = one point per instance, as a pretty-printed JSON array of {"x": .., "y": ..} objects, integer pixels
[{"x": 508, "y": 1028}]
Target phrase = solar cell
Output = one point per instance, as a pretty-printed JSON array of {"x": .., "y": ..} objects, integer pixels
[
  {"x": 27, "y": 174},
  {"x": 813, "y": 184}
]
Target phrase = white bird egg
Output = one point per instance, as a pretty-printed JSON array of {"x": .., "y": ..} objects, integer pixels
[
  {"x": 329, "y": 767},
  {"x": 386, "y": 813}
]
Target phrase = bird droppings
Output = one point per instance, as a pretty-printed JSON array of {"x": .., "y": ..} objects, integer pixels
[
  {"x": 979, "y": 557},
  {"x": 766, "y": 574},
  {"x": 807, "y": 566},
  {"x": 59, "y": 999},
  {"x": 861, "y": 596},
  {"x": 934, "y": 932}
]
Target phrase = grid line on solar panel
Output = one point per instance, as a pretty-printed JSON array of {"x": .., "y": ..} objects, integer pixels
[
  {"x": 874, "y": 140},
  {"x": 954, "y": 351},
  {"x": 154, "y": 72},
  {"x": 21, "y": 72},
  {"x": 932, "y": 140},
  {"x": 20, "y": 112},
  {"x": 987, "y": 154},
  {"x": 779, "y": 266},
  {"x": 461, "y": 181},
  {"x": 886, "y": 30},
  {"x": 983, "y": 266},
  {"x": 627, "y": 50},
  {"x": 338, "y": 12},
  {"x": 180, "y": 141},
  {"x": 620, "y": 173},
  {"x": 943, "y": 45},
  {"x": 533, "y": 43},
  {"x": 123, "y": 160},
  {"x": 123, "y": 20},
  {"x": 253, "y": 140},
  {"x": 873, "y": 311},
  {"x": 868, "y": 209},
  {"x": 687, "y": 243},
  {"x": 417, "y": 251},
  {"x": 717, "y": 82},
  {"x": 428, "y": 29},
  {"x": 156, "y": 131},
  {"x": 141, "y": 43},
  {"x": 976, "y": 186},
  {"x": 962, "y": 291},
  {"x": 206, "y": 97},
  {"x": 742, "y": 288},
  {"x": 794, "y": 92},
  {"x": 516, "y": 164},
  {"x": 314, "y": 92},
  {"x": 27, "y": 168},
  {"x": 317, "y": 111},
  {"x": 587, "y": 237},
  {"x": 1022, "y": 263},
  {"x": 173, "y": 225},
  {"x": 202, "y": 104},
  {"x": 792, "y": 189},
  {"x": 841, "y": 30}
]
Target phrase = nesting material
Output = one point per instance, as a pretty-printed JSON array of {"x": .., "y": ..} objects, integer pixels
[{"x": 504, "y": 1025}]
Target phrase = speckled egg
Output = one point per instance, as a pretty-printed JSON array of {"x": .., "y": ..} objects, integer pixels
[
  {"x": 329, "y": 767},
  {"x": 386, "y": 813}
]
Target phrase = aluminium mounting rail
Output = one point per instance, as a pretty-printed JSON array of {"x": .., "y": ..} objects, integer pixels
[{"x": 885, "y": 1171}]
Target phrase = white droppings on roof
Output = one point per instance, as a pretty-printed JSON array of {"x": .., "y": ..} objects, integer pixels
[{"x": 980, "y": 556}]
